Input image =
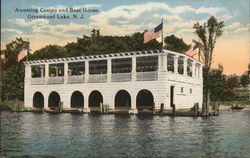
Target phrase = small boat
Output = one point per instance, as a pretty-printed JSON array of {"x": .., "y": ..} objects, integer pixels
[
  {"x": 52, "y": 111},
  {"x": 237, "y": 107}
]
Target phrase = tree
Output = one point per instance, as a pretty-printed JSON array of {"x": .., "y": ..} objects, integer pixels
[
  {"x": 48, "y": 52},
  {"x": 12, "y": 71},
  {"x": 217, "y": 83},
  {"x": 208, "y": 34},
  {"x": 11, "y": 53},
  {"x": 176, "y": 44},
  {"x": 244, "y": 80}
]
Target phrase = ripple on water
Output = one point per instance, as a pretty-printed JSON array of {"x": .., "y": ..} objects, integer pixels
[{"x": 67, "y": 135}]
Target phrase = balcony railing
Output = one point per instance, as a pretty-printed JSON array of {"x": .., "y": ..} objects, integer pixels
[
  {"x": 121, "y": 77},
  {"x": 97, "y": 78},
  {"x": 55, "y": 80},
  {"x": 37, "y": 81},
  {"x": 76, "y": 79},
  {"x": 146, "y": 76}
]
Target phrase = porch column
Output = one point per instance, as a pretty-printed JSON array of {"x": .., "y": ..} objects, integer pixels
[
  {"x": 201, "y": 71},
  {"x": 66, "y": 72},
  {"x": 46, "y": 73},
  {"x": 176, "y": 64},
  {"x": 133, "y": 68},
  {"x": 27, "y": 71},
  {"x": 160, "y": 62},
  {"x": 185, "y": 66},
  {"x": 86, "y": 74},
  {"x": 109, "y": 72},
  {"x": 193, "y": 69},
  {"x": 164, "y": 62}
]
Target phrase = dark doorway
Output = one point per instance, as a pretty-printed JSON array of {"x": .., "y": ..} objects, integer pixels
[
  {"x": 172, "y": 96},
  {"x": 122, "y": 100},
  {"x": 145, "y": 100},
  {"x": 77, "y": 100},
  {"x": 54, "y": 99},
  {"x": 95, "y": 99},
  {"x": 38, "y": 100}
]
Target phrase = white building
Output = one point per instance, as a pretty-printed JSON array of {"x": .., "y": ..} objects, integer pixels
[{"x": 130, "y": 80}]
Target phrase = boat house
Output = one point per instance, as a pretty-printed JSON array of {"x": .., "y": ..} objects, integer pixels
[{"x": 129, "y": 81}]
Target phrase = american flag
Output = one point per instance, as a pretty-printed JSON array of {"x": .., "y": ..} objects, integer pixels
[
  {"x": 191, "y": 52},
  {"x": 152, "y": 34},
  {"x": 22, "y": 53}
]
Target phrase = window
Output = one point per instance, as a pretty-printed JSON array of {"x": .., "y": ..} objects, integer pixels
[
  {"x": 37, "y": 71},
  {"x": 182, "y": 89},
  {"x": 122, "y": 65},
  {"x": 170, "y": 63},
  {"x": 146, "y": 63},
  {"x": 56, "y": 70},
  {"x": 76, "y": 68},
  {"x": 98, "y": 67}
]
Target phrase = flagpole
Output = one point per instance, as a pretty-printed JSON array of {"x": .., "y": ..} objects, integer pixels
[
  {"x": 199, "y": 52},
  {"x": 162, "y": 33},
  {"x": 27, "y": 57}
]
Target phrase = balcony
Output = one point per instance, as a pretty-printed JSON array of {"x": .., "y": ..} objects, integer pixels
[
  {"x": 121, "y": 77},
  {"x": 37, "y": 81},
  {"x": 97, "y": 78},
  {"x": 55, "y": 80},
  {"x": 76, "y": 79},
  {"x": 146, "y": 76}
]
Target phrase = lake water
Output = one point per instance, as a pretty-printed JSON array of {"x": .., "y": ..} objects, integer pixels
[{"x": 68, "y": 135}]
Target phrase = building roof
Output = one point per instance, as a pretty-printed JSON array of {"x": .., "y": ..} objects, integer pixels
[{"x": 105, "y": 56}]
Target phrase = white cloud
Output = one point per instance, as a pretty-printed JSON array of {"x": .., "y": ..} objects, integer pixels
[
  {"x": 4, "y": 30},
  {"x": 232, "y": 26},
  {"x": 24, "y": 23},
  {"x": 242, "y": 29}
]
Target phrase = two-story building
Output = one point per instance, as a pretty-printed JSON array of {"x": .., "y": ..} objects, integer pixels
[{"x": 129, "y": 81}]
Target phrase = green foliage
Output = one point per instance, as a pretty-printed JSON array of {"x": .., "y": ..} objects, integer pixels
[
  {"x": 174, "y": 43},
  {"x": 48, "y": 52},
  {"x": 217, "y": 84},
  {"x": 12, "y": 71},
  {"x": 13, "y": 83},
  {"x": 244, "y": 80},
  {"x": 96, "y": 44},
  {"x": 11, "y": 52},
  {"x": 207, "y": 34}
]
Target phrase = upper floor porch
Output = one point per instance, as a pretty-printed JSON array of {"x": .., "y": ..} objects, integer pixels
[{"x": 121, "y": 67}]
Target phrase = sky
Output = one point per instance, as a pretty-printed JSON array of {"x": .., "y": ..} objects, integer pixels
[{"x": 118, "y": 17}]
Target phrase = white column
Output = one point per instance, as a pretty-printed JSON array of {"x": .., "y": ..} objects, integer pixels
[
  {"x": 160, "y": 62},
  {"x": 185, "y": 66},
  {"x": 133, "y": 68},
  {"x": 46, "y": 73},
  {"x": 66, "y": 72},
  {"x": 201, "y": 71},
  {"x": 27, "y": 71},
  {"x": 86, "y": 73},
  {"x": 193, "y": 69},
  {"x": 46, "y": 70},
  {"x": 109, "y": 73},
  {"x": 164, "y": 62},
  {"x": 176, "y": 64}
]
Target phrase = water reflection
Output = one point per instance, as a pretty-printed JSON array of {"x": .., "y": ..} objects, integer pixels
[{"x": 67, "y": 135}]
